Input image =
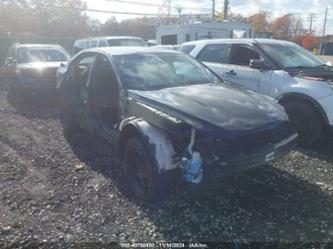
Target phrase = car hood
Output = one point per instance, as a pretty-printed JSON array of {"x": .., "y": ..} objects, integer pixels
[
  {"x": 215, "y": 108},
  {"x": 40, "y": 65}
]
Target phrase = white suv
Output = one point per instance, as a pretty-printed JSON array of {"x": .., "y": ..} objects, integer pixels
[{"x": 300, "y": 81}]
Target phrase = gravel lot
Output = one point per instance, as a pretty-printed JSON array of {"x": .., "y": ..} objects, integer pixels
[{"x": 54, "y": 190}]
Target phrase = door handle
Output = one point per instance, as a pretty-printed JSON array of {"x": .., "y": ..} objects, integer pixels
[{"x": 231, "y": 73}]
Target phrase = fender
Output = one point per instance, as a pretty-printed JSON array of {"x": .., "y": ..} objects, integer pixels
[
  {"x": 156, "y": 140},
  {"x": 315, "y": 103}
]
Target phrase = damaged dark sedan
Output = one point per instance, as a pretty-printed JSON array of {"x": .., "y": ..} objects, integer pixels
[
  {"x": 171, "y": 117},
  {"x": 30, "y": 72}
]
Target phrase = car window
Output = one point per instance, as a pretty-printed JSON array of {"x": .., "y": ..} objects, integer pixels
[
  {"x": 187, "y": 48},
  {"x": 291, "y": 55},
  {"x": 127, "y": 42},
  {"x": 216, "y": 53},
  {"x": 102, "y": 43},
  {"x": 81, "y": 69},
  {"x": 242, "y": 54},
  {"x": 150, "y": 71},
  {"x": 92, "y": 44}
]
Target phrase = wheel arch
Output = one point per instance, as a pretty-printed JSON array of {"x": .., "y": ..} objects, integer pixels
[
  {"x": 304, "y": 98},
  {"x": 155, "y": 139}
]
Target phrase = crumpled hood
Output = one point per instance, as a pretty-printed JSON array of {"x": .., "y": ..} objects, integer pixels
[{"x": 213, "y": 107}]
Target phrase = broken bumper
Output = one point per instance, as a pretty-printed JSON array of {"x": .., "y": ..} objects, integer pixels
[{"x": 251, "y": 160}]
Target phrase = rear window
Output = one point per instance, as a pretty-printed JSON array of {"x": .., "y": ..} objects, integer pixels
[
  {"x": 187, "y": 48},
  {"x": 26, "y": 55},
  {"x": 126, "y": 42}
]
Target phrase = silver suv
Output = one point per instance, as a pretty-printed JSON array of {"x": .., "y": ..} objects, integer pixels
[{"x": 297, "y": 79}]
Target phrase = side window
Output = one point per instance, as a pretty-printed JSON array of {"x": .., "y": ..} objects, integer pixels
[
  {"x": 187, "y": 49},
  {"x": 102, "y": 43},
  {"x": 81, "y": 68},
  {"x": 104, "y": 91},
  {"x": 93, "y": 44},
  {"x": 242, "y": 55},
  {"x": 217, "y": 53}
]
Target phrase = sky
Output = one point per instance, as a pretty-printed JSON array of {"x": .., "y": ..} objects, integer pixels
[{"x": 244, "y": 7}]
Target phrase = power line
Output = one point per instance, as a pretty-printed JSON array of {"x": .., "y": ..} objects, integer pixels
[
  {"x": 111, "y": 12},
  {"x": 152, "y": 4}
]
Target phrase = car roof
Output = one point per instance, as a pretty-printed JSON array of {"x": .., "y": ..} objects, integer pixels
[
  {"x": 38, "y": 46},
  {"x": 130, "y": 50},
  {"x": 249, "y": 41},
  {"x": 108, "y": 38}
]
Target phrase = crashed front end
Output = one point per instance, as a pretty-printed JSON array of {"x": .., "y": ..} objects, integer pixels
[{"x": 200, "y": 153}]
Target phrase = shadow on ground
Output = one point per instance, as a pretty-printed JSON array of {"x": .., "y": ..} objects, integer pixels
[
  {"x": 322, "y": 149},
  {"x": 263, "y": 204},
  {"x": 37, "y": 108}
]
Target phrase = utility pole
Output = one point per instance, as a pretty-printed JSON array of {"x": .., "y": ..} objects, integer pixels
[
  {"x": 213, "y": 10},
  {"x": 324, "y": 31},
  {"x": 226, "y": 9},
  {"x": 311, "y": 18},
  {"x": 325, "y": 21}
]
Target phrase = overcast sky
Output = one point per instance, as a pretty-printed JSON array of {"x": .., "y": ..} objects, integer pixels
[{"x": 244, "y": 7}]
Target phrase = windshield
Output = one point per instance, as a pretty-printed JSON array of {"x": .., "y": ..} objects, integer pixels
[
  {"x": 291, "y": 56},
  {"x": 26, "y": 55},
  {"x": 126, "y": 42},
  {"x": 161, "y": 70}
]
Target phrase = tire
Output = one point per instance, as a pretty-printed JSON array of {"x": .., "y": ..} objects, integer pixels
[
  {"x": 141, "y": 175},
  {"x": 69, "y": 124},
  {"x": 306, "y": 120}
]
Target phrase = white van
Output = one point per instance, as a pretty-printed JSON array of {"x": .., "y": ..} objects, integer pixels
[{"x": 108, "y": 41}]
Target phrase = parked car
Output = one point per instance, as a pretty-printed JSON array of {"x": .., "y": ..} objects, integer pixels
[
  {"x": 30, "y": 71},
  {"x": 172, "y": 47},
  {"x": 170, "y": 116},
  {"x": 299, "y": 80},
  {"x": 108, "y": 41}
]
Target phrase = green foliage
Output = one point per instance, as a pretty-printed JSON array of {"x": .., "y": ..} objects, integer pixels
[{"x": 43, "y": 17}]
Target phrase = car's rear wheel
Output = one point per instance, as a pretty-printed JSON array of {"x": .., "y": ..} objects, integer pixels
[
  {"x": 306, "y": 120},
  {"x": 69, "y": 123},
  {"x": 141, "y": 174}
]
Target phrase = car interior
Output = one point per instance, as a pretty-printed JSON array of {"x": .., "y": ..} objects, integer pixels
[
  {"x": 104, "y": 93},
  {"x": 242, "y": 55}
]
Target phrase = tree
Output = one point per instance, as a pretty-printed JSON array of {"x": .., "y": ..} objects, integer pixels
[
  {"x": 43, "y": 18},
  {"x": 59, "y": 17},
  {"x": 259, "y": 21},
  {"x": 14, "y": 18},
  {"x": 309, "y": 41},
  {"x": 281, "y": 27}
]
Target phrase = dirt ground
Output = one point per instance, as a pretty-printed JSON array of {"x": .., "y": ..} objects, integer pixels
[{"x": 54, "y": 190}]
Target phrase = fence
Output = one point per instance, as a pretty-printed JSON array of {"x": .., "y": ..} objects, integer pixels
[
  {"x": 328, "y": 49},
  {"x": 5, "y": 43}
]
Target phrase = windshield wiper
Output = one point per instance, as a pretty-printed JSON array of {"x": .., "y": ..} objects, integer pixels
[{"x": 299, "y": 67}]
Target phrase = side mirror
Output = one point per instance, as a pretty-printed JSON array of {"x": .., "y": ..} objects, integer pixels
[
  {"x": 62, "y": 64},
  {"x": 259, "y": 64}
]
